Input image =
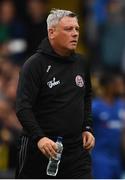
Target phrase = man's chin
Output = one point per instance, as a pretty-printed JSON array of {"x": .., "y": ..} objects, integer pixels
[{"x": 73, "y": 48}]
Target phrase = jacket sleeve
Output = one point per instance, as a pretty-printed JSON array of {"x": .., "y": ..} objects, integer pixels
[
  {"x": 88, "y": 124},
  {"x": 27, "y": 92}
]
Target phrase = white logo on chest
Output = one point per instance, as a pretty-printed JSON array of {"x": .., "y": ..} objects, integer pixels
[{"x": 53, "y": 82}]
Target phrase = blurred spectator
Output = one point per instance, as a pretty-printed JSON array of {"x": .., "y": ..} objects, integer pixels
[
  {"x": 90, "y": 33},
  {"x": 112, "y": 37},
  {"x": 123, "y": 62},
  {"x": 10, "y": 130},
  {"x": 87, "y": 13},
  {"x": 123, "y": 132},
  {"x": 13, "y": 30},
  {"x": 123, "y": 151},
  {"x": 36, "y": 23},
  {"x": 13, "y": 38},
  {"x": 8, "y": 79},
  {"x": 107, "y": 118},
  {"x": 104, "y": 33},
  {"x": 100, "y": 11},
  {"x": 8, "y": 118},
  {"x": 95, "y": 84},
  {"x": 10, "y": 127}
]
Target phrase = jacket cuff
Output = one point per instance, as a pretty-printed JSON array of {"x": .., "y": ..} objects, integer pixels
[
  {"x": 89, "y": 129},
  {"x": 36, "y": 138}
]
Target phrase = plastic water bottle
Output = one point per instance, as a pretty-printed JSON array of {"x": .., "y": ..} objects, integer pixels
[{"x": 53, "y": 165}]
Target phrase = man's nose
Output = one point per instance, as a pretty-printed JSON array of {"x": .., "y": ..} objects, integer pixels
[{"x": 75, "y": 32}]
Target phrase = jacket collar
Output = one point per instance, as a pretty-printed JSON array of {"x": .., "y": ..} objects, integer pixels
[{"x": 46, "y": 48}]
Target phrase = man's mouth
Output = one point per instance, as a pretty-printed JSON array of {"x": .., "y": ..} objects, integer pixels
[{"x": 74, "y": 41}]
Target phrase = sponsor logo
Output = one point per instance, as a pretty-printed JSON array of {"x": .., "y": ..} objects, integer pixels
[
  {"x": 79, "y": 81},
  {"x": 53, "y": 82}
]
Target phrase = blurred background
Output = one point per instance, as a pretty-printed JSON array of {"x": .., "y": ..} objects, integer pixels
[{"x": 102, "y": 41}]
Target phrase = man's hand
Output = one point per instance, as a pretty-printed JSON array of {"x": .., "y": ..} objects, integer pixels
[
  {"x": 88, "y": 140},
  {"x": 47, "y": 147}
]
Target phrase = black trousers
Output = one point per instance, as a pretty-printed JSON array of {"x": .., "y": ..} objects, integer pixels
[{"x": 31, "y": 164}]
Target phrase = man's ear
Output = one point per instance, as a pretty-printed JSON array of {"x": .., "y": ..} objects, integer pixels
[{"x": 51, "y": 33}]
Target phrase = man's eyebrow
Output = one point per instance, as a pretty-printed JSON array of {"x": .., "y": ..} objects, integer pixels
[{"x": 71, "y": 26}]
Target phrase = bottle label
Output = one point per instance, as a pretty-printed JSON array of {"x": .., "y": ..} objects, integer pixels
[{"x": 58, "y": 156}]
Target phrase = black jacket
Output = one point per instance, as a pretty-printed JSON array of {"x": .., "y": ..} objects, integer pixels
[{"x": 54, "y": 94}]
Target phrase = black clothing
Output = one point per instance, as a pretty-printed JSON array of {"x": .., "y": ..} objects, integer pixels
[
  {"x": 54, "y": 99},
  {"x": 75, "y": 161}
]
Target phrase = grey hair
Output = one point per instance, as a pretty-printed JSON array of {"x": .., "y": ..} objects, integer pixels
[{"x": 56, "y": 15}]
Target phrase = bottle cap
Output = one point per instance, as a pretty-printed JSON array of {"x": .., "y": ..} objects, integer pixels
[{"x": 59, "y": 138}]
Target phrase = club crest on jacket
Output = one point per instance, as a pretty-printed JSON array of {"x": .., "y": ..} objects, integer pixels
[{"x": 79, "y": 81}]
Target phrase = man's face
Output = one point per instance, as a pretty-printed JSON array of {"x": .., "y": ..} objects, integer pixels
[{"x": 66, "y": 33}]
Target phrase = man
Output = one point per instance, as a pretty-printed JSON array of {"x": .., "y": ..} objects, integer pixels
[
  {"x": 108, "y": 114},
  {"x": 54, "y": 99}
]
